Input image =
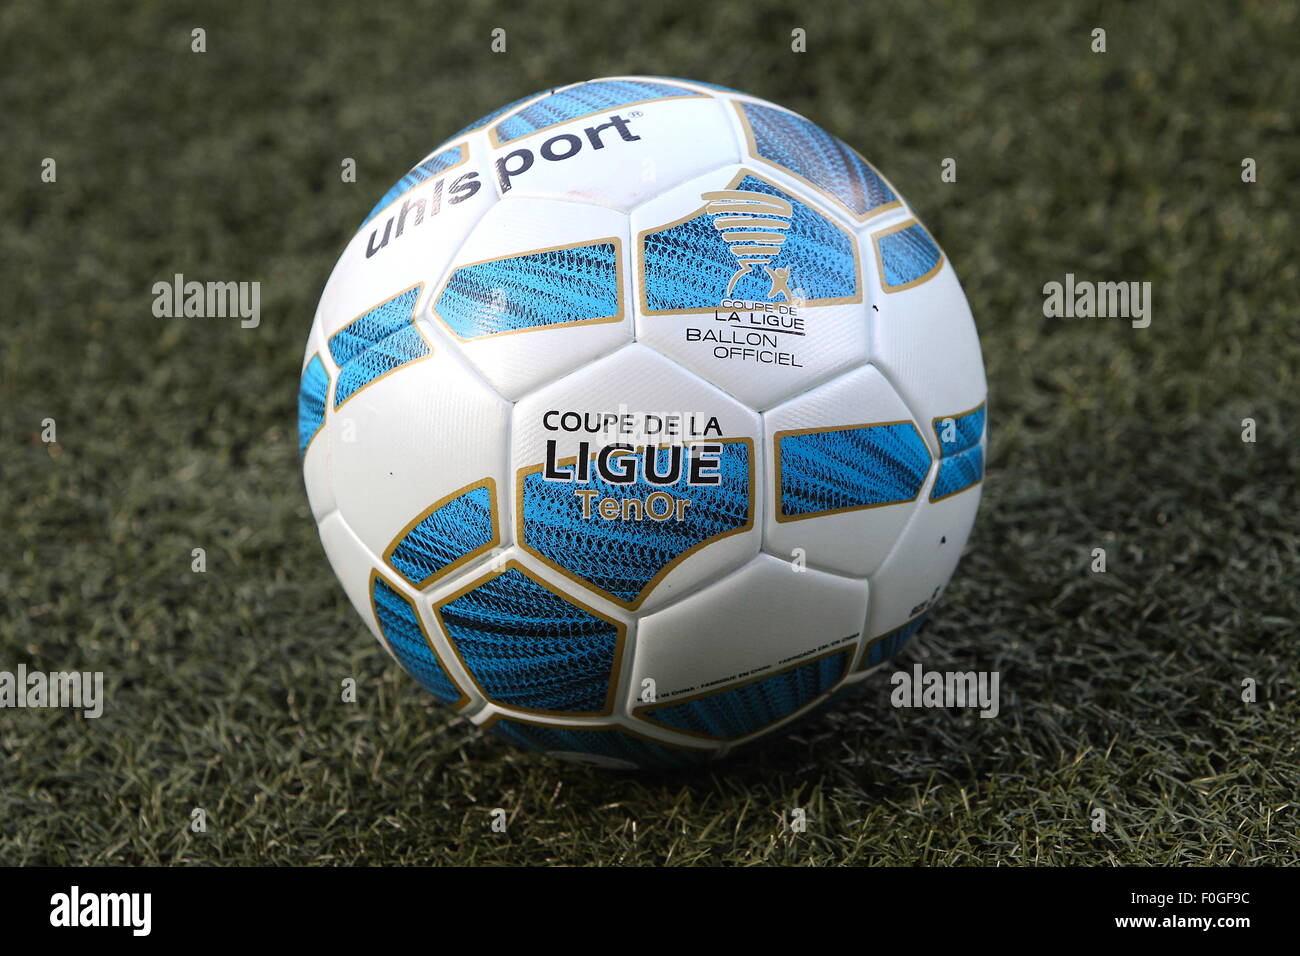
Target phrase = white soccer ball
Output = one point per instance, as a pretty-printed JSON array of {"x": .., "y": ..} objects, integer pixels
[{"x": 641, "y": 417}]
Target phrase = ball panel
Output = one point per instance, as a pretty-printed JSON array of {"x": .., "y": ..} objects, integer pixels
[
  {"x": 611, "y": 747},
  {"x": 914, "y": 575},
  {"x": 846, "y": 464},
  {"x": 636, "y": 527},
  {"x": 710, "y": 654},
  {"x": 621, "y": 157},
  {"x": 406, "y": 447},
  {"x": 923, "y": 339},
  {"x": 408, "y": 241},
  {"x": 539, "y": 288},
  {"x": 748, "y": 284}
]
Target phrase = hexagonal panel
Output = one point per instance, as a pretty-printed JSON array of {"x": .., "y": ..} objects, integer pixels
[
  {"x": 747, "y": 651},
  {"x": 539, "y": 288},
  {"x": 748, "y": 284},
  {"x": 635, "y": 478},
  {"x": 846, "y": 463}
]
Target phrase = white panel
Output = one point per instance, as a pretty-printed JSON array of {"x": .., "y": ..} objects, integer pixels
[
  {"x": 915, "y": 574},
  {"x": 649, "y": 148},
  {"x": 348, "y": 557},
  {"x": 760, "y": 619},
  {"x": 849, "y": 542},
  {"x": 924, "y": 340},
  {"x": 412, "y": 438},
  {"x": 578, "y": 329},
  {"x": 439, "y": 213}
]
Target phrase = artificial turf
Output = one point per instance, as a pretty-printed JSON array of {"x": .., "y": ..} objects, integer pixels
[{"x": 1121, "y": 691}]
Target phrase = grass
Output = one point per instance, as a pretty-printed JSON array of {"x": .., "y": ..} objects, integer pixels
[{"x": 1121, "y": 691}]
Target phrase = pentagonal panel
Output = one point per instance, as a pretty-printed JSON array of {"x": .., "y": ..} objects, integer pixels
[
  {"x": 635, "y": 478},
  {"x": 418, "y": 463},
  {"x": 746, "y": 283},
  {"x": 922, "y": 333},
  {"x": 747, "y": 651},
  {"x": 846, "y": 463},
  {"x": 618, "y": 155},
  {"x": 531, "y": 647},
  {"x": 538, "y": 289}
]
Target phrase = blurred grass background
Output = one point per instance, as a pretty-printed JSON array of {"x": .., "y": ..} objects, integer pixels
[{"x": 1120, "y": 691}]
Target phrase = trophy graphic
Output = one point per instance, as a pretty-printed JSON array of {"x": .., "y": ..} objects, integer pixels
[{"x": 748, "y": 223}]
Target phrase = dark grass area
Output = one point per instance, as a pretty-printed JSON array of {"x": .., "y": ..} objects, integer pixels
[{"x": 1121, "y": 691}]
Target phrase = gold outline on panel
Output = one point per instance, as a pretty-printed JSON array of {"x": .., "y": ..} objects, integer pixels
[
  {"x": 752, "y": 148},
  {"x": 522, "y": 718},
  {"x": 595, "y": 320},
  {"x": 497, "y": 143},
  {"x": 380, "y": 378},
  {"x": 736, "y": 181},
  {"x": 880, "y": 265},
  {"x": 329, "y": 391},
  {"x": 977, "y": 481},
  {"x": 465, "y": 699},
  {"x": 493, "y": 508},
  {"x": 641, "y": 713},
  {"x": 463, "y": 145},
  {"x": 644, "y": 593},
  {"x": 783, "y": 518},
  {"x": 860, "y": 662},
  {"x": 615, "y": 671}
]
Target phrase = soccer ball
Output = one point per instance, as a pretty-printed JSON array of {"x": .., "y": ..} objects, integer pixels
[{"x": 640, "y": 418}]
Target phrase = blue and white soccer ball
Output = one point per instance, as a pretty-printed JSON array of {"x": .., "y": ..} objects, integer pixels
[{"x": 640, "y": 417}]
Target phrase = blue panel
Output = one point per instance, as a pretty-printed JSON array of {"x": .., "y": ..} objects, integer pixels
[
  {"x": 750, "y": 707},
  {"x": 692, "y": 265},
  {"x": 501, "y": 111},
  {"x": 601, "y": 743},
  {"x": 965, "y": 434},
  {"x": 398, "y": 624},
  {"x": 958, "y": 472},
  {"x": 528, "y": 647},
  {"x": 369, "y": 327},
  {"x": 622, "y": 557},
  {"x": 962, "y": 464},
  {"x": 888, "y": 645},
  {"x": 594, "y": 97},
  {"x": 807, "y": 150},
  {"x": 557, "y": 286},
  {"x": 850, "y": 468},
  {"x": 402, "y": 347},
  {"x": 313, "y": 388},
  {"x": 375, "y": 343},
  {"x": 422, "y": 173},
  {"x": 907, "y": 255},
  {"x": 458, "y": 528}
]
